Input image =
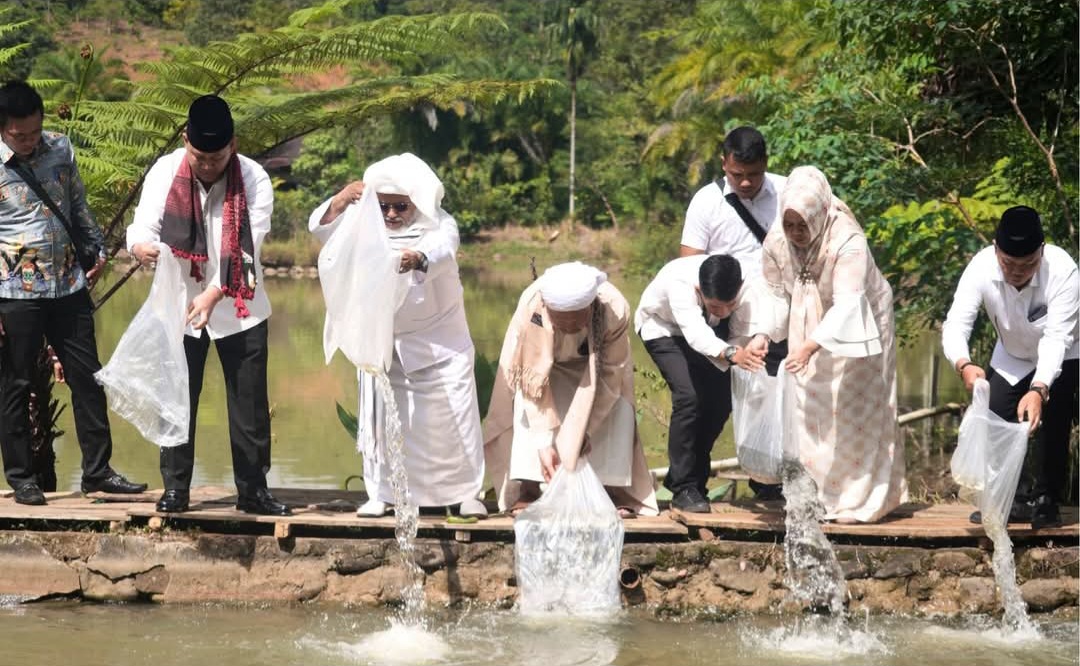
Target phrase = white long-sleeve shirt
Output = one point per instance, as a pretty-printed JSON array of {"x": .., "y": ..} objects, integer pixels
[
  {"x": 714, "y": 227},
  {"x": 1037, "y": 326},
  {"x": 670, "y": 307},
  {"x": 146, "y": 228}
]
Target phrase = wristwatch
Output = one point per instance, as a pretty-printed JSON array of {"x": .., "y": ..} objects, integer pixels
[
  {"x": 423, "y": 263},
  {"x": 1042, "y": 390},
  {"x": 729, "y": 353}
]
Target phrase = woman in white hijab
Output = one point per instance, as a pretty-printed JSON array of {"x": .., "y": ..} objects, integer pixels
[
  {"x": 839, "y": 327},
  {"x": 432, "y": 367}
]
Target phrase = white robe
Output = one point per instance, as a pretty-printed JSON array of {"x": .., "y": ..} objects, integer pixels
[{"x": 432, "y": 378}]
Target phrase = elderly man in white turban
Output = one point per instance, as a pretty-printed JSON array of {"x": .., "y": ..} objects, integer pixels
[
  {"x": 564, "y": 389},
  {"x": 432, "y": 368}
]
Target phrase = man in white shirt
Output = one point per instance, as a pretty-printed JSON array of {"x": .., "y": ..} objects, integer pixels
[
  {"x": 211, "y": 206},
  {"x": 678, "y": 320},
  {"x": 1030, "y": 293},
  {"x": 731, "y": 216}
]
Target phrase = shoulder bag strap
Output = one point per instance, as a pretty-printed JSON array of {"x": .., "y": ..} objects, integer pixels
[
  {"x": 31, "y": 180},
  {"x": 748, "y": 219}
]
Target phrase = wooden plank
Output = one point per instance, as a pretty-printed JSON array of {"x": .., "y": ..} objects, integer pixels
[{"x": 943, "y": 521}]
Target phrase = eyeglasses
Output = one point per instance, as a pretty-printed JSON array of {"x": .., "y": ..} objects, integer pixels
[{"x": 398, "y": 206}]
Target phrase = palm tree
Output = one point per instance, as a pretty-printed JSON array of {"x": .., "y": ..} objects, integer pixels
[{"x": 576, "y": 34}]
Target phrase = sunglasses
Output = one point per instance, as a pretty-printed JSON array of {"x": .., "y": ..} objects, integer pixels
[{"x": 398, "y": 206}]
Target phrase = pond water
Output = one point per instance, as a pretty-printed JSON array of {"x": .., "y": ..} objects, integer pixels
[
  {"x": 311, "y": 448},
  {"x": 134, "y": 635}
]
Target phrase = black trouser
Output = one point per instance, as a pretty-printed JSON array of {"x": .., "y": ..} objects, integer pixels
[
  {"x": 1049, "y": 449},
  {"x": 243, "y": 362},
  {"x": 700, "y": 406},
  {"x": 68, "y": 324}
]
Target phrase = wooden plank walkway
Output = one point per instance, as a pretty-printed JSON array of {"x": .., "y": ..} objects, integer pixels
[
  {"x": 910, "y": 521},
  {"x": 213, "y": 510}
]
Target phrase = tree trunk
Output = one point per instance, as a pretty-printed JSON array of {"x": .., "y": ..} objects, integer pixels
[{"x": 573, "y": 143}]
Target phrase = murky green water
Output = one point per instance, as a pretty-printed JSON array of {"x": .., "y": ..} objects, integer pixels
[{"x": 133, "y": 635}]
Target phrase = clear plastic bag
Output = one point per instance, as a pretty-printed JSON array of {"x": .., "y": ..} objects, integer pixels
[
  {"x": 568, "y": 546},
  {"x": 757, "y": 411},
  {"x": 146, "y": 380},
  {"x": 989, "y": 456},
  {"x": 361, "y": 286}
]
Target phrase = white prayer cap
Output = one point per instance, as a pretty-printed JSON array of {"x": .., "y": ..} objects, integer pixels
[
  {"x": 408, "y": 175},
  {"x": 569, "y": 287}
]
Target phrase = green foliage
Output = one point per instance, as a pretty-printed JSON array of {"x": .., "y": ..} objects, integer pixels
[
  {"x": 118, "y": 141},
  {"x": 67, "y": 76},
  {"x": 22, "y": 38},
  {"x": 484, "y": 370},
  {"x": 348, "y": 421}
]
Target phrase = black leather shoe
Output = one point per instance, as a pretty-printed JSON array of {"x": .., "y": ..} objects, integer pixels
[
  {"x": 173, "y": 501},
  {"x": 1045, "y": 513},
  {"x": 263, "y": 503},
  {"x": 29, "y": 493},
  {"x": 115, "y": 484},
  {"x": 1019, "y": 512},
  {"x": 691, "y": 501}
]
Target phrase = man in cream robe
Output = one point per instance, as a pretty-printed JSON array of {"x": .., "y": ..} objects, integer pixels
[
  {"x": 565, "y": 389},
  {"x": 432, "y": 368}
]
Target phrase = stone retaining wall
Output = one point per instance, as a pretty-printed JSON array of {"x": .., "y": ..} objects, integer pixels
[{"x": 717, "y": 577}]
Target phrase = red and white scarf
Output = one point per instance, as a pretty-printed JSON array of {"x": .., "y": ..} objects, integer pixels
[{"x": 184, "y": 230}]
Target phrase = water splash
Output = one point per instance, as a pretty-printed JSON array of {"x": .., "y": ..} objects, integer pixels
[
  {"x": 813, "y": 576},
  {"x": 813, "y": 639},
  {"x": 400, "y": 645},
  {"x": 1015, "y": 619},
  {"x": 406, "y": 512}
]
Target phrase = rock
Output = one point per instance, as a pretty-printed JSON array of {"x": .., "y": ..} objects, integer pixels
[
  {"x": 1046, "y": 594},
  {"x": 30, "y": 571},
  {"x": 98, "y": 587},
  {"x": 354, "y": 560},
  {"x": 854, "y": 568},
  {"x": 881, "y": 596},
  {"x": 434, "y": 555},
  {"x": 952, "y": 562},
  {"x": 976, "y": 594},
  {"x": 900, "y": 564},
  {"x": 921, "y": 586},
  {"x": 738, "y": 575},
  {"x": 1049, "y": 563},
  {"x": 152, "y": 582},
  {"x": 668, "y": 577}
]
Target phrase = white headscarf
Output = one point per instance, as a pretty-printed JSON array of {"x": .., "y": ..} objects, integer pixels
[
  {"x": 569, "y": 287},
  {"x": 408, "y": 175}
]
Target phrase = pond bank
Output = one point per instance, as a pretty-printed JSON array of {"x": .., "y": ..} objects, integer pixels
[{"x": 124, "y": 551}]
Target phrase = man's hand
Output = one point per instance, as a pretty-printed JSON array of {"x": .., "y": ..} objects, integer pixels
[
  {"x": 970, "y": 374},
  {"x": 54, "y": 360},
  {"x": 410, "y": 261},
  {"x": 348, "y": 194},
  {"x": 1029, "y": 409},
  {"x": 146, "y": 253},
  {"x": 759, "y": 342},
  {"x": 202, "y": 306},
  {"x": 798, "y": 360},
  {"x": 749, "y": 359},
  {"x": 549, "y": 462},
  {"x": 95, "y": 272}
]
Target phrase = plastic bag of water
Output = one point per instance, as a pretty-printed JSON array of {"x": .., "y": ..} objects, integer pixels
[
  {"x": 989, "y": 456},
  {"x": 568, "y": 545},
  {"x": 146, "y": 380},
  {"x": 757, "y": 410}
]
